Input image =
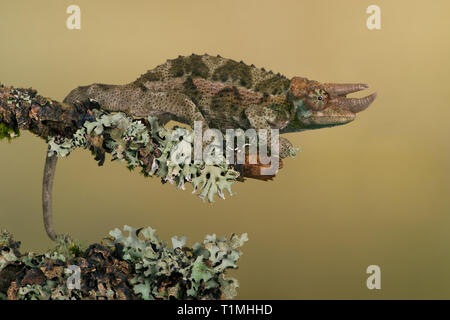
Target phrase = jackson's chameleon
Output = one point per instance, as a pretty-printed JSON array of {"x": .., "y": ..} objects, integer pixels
[{"x": 222, "y": 93}]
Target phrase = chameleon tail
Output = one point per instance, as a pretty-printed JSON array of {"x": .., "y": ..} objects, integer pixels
[{"x": 49, "y": 175}]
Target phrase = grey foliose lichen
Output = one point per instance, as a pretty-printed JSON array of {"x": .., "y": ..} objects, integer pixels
[
  {"x": 200, "y": 270},
  {"x": 160, "y": 152},
  {"x": 133, "y": 266}
]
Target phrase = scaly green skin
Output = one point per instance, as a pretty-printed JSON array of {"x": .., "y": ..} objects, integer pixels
[{"x": 222, "y": 93}]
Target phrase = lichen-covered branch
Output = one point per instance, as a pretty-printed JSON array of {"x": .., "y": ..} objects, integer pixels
[
  {"x": 136, "y": 265},
  {"x": 141, "y": 143},
  {"x": 24, "y": 109}
]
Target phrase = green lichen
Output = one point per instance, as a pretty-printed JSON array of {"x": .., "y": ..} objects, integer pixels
[
  {"x": 202, "y": 266},
  {"x": 157, "y": 151},
  {"x": 8, "y": 249},
  {"x": 61, "y": 149},
  {"x": 214, "y": 180},
  {"x": 129, "y": 264}
]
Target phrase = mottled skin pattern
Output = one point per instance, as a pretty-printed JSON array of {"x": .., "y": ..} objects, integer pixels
[{"x": 225, "y": 94}]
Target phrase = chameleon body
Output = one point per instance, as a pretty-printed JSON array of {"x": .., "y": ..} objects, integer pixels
[
  {"x": 226, "y": 94},
  {"x": 223, "y": 94}
]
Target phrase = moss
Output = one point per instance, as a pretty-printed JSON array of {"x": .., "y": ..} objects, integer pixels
[
  {"x": 274, "y": 85},
  {"x": 75, "y": 250},
  {"x": 8, "y": 132},
  {"x": 192, "y": 65},
  {"x": 236, "y": 71}
]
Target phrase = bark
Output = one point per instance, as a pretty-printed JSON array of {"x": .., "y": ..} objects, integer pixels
[{"x": 24, "y": 109}]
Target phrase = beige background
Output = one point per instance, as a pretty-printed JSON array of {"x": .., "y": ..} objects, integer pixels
[{"x": 371, "y": 192}]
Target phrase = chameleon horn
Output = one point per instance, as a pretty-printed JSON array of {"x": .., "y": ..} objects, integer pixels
[
  {"x": 356, "y": 105},
  {"x": 336, "y": 89}
]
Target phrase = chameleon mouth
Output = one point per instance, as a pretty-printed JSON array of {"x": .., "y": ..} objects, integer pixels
[
  {"x": 331, "y": 120},
  {"x": 338, "y": 94}
]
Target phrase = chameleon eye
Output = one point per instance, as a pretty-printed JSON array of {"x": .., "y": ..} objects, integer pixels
[{"x": 317, "y": 99}]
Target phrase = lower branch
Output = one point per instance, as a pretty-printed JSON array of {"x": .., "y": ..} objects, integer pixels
[{"x": 125, "y": 267}]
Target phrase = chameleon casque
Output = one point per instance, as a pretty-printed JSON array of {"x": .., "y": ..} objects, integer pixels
[{"x": 223, "y": 94}]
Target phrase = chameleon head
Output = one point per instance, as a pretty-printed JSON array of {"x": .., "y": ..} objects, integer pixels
[{"x": 318, "y": 105}]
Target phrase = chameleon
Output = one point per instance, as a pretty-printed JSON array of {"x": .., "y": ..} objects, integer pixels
[{"x": 221, "y": 93}]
